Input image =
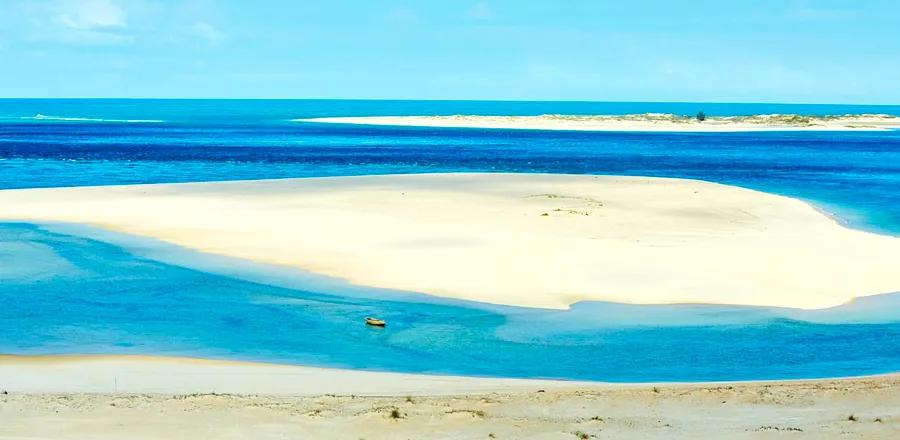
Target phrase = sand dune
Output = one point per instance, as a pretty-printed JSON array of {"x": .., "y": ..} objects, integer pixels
[
  {"x": 172, "y": 399},
  {"x": 520, "y": 239},
  {"x": 638, "y": 122}
]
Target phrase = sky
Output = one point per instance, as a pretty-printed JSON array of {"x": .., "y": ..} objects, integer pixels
[{"x": 591, "y": 50}]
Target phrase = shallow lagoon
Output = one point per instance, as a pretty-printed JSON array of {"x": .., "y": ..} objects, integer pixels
[{"x": 64, "y": 293}]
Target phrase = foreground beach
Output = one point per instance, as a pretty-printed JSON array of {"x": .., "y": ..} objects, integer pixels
[
  {"x": 533, "y": 240},
  {"x": 63, "y": 398},
  {"x": 637, "y": 122}
]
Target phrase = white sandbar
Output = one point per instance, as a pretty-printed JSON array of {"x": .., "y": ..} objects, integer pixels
[
  {"x": 641, "y": 122},
  {"x": 534, "y": 240}
]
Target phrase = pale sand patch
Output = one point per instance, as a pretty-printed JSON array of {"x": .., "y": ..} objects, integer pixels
[
  {"x": 176, "y": 375},
  {"x": 819, "y": 409},
  {"x": 534, "y": 240},
  {"x": 640, "y": 122}
]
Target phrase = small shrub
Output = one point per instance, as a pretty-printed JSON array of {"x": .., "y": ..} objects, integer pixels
[
  {"x": 582, "y": 435},
  {"x": 473, "y": 412},
  {"x": 852, "y": 418},
  {"x": 701, "y": 116}
]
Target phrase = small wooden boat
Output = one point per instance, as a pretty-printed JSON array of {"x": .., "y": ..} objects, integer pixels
[{"x": 375, "y": 322}]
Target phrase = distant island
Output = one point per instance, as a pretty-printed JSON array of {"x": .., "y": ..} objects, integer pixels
[{"x": 637, "y": 122}]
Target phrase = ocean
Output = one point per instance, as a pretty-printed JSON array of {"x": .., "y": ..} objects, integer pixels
[{"x": 72, "y": 293}]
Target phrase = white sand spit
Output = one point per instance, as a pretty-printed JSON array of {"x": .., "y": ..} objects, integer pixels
[
  {"x": 638, "y": 122},
  {"x": 522, "y": 239}
]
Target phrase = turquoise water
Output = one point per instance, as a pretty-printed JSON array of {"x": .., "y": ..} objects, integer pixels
[
  {"x": 66, "y": 294},
  {"x": 71, "y": 290}
]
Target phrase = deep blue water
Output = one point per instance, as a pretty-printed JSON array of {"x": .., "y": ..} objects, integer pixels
[
  {"x": 855, "y": 174},
  {"x": 65, "y": 293}
]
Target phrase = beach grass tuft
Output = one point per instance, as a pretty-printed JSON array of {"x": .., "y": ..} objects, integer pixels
[{"x": 473, "y": 412}]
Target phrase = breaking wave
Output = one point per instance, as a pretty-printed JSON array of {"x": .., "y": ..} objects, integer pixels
[{"x": 42, "y": 117}]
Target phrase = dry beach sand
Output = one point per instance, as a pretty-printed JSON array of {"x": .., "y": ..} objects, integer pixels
[
  {"x": 637, "y": 122},
  {"x": 174, "y": 399},
  {"x": 534, "y": 240}
]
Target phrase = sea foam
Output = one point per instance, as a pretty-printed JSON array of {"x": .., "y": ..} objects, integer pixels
[{"x": 42, "y": 117}]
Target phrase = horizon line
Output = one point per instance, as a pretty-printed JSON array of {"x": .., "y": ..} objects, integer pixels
[{"x": 438, "y": 100}]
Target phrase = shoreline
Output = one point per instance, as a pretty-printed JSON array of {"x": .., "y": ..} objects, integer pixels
[
  {"x": 371, "y": 228},
  {"x": 31, "y": 374},
  {"x": 104, "y": 374},
  {"x": 663, "y": 123}
]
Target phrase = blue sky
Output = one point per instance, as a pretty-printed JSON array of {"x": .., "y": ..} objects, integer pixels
[{"x": 634, "y": 50}]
